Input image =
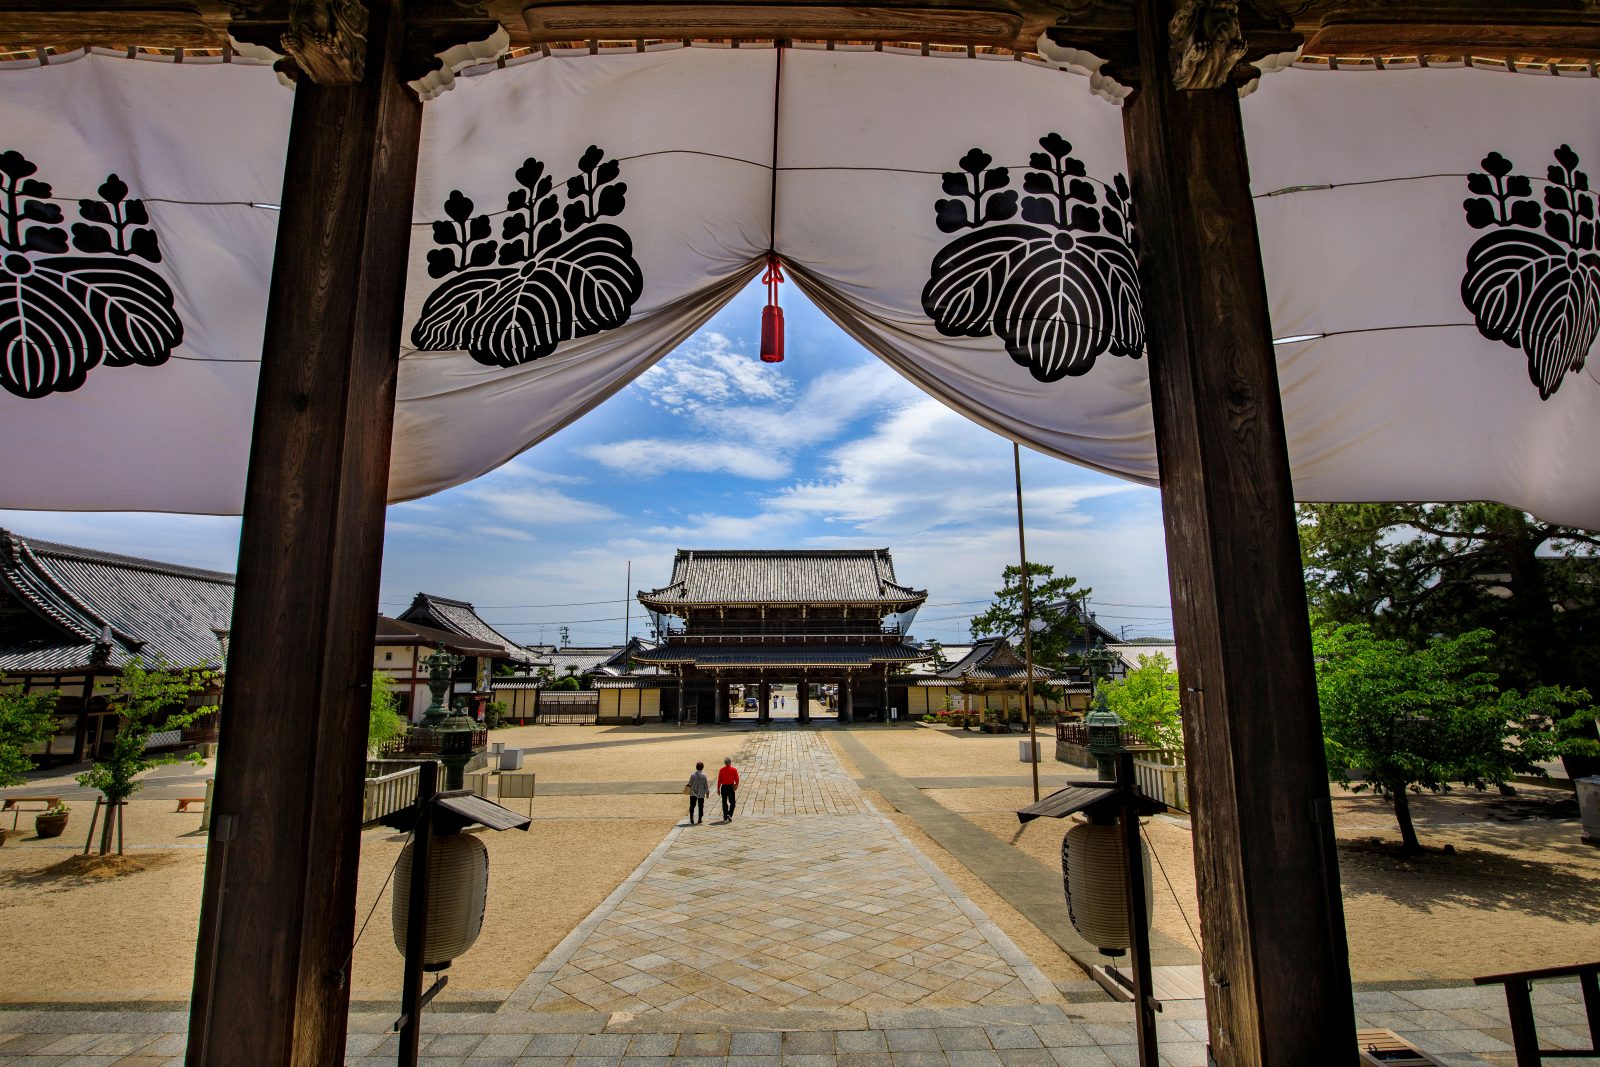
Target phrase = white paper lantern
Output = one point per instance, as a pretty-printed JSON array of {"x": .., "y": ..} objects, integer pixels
[
  {"x": 1094, "y": 873},
  {"x": 458, "y": 888}
]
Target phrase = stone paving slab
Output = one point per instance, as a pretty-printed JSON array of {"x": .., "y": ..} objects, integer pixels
[
  {"x": 1039, "y": 1035},
  {"x": 808, "y": 900}
]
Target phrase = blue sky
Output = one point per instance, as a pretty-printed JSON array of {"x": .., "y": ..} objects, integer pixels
[{"x": 713, "y": 449}]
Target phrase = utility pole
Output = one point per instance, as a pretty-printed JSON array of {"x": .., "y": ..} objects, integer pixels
[{"x": 1027, "y": 625}]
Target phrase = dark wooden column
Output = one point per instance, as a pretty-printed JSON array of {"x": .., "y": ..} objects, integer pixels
[
  {"x": 1276, "y": 969},
  {"x": 271, "y": 969}
]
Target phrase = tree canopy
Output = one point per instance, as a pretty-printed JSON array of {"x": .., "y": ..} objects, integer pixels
[
  {"x": 1146, "y": 700},
  {"x": 1397, "y": 718},
  {"x": 384, "y": 724},
  {"x": 1055, "y": 615},
  {"x": 26, "y": 719},
  {"x": 149, "y": 701},
  {"x": 1412, "y": 571}
]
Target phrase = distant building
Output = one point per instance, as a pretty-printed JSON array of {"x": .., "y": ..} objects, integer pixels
[
  {"x": 71, "y": 617},
  {"x": 988, "y": 675},
  {"x": 755, "y": 618},
  {"x": 399, "y": 648}
]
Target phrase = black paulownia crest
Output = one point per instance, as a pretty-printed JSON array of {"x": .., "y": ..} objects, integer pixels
[
  {"x": 67, "y": 306},
  {"x": 555, "y": 273},
  {"x": 1533, "y": 280},
  {"x": 1060, "y": 287}
]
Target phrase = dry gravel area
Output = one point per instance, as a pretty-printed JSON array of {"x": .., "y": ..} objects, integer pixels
[{"x": 1519, "y": 891}]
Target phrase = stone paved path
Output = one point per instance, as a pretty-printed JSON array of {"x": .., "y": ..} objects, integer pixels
[{"x": 809, "y": 899}]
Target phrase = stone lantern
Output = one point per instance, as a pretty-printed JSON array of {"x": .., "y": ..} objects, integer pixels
[
  {"x": 441, "y": 667},
  {"x": 1105, "y": 738},
  {"x": 455, "y": 731}
]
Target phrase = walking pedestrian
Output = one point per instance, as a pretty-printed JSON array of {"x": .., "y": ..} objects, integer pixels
[
  {"x": 727, "y": 785},
  {"x": 698, "y": 789}
]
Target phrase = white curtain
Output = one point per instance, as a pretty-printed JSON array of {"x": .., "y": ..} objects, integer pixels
[{"x": 965, "y": 219}]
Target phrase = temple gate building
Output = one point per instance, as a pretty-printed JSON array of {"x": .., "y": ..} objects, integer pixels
[{"x": 756, "y": 618}]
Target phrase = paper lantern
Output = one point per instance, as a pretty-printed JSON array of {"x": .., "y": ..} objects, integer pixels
[
  {"x": 1094, "y": 874},
  {"x": 458, "y": 888}
]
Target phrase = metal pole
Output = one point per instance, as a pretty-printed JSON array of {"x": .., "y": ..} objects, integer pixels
[
  {"x": 1027, "y": 625},
  {"x": 1144, "y": 1005},
  {"x": 627, "y": 605},
  {"x": 417, "y": 917}
]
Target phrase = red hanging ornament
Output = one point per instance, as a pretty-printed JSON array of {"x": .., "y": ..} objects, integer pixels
[{"x": 772, "y": 314}]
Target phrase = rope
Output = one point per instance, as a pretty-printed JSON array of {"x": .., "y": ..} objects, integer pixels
[{"x": 1184, "y": 915}]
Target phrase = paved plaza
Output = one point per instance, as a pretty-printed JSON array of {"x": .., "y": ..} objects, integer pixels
[
  {"x": 808, "y": 932},
  {"x": 808, "y": 899}
]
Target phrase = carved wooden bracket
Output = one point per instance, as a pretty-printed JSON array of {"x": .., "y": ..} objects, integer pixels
[
  {"x": 1207, "y": 43},
  {"x": 327, "y": 39}
]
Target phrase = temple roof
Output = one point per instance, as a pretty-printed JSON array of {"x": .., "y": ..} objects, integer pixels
[
  {"x": 852, "y": 576},
  {"x": 760, "y": 655},
  {"x": 399, "y": 632},
  {"x": 63, "y": 600},
  {"x": 459, "y": 617}
]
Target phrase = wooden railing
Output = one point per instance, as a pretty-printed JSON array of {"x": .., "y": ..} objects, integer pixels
[
  {"x": 390, "y": 792},
  {"x": 1162, "y": 776}
]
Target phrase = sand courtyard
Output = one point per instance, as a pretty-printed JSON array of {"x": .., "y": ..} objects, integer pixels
[{"x": 874, "y": 894}]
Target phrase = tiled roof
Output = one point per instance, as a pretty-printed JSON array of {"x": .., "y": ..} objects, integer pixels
[
  {"x": 783, "y": 576},
  {"x": 459, "y": 617},
  {"x": 757, "y": 655},
  {"x": 1129, "y": 654},
  {"x": 67, "y": 596},
  {"x": 396, "y": 632},
  {"x": 588, "y": 659},
  {"x": 990, "y": 658}
]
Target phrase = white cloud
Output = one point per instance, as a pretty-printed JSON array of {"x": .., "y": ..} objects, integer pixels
[
  {"x": 710, "y": 374},
  {"x": 534, "y": 505},
  {"x": 655, "y": 455},
  {"x": 509, "y": 533},
  {"x": 714, "y": 389}
]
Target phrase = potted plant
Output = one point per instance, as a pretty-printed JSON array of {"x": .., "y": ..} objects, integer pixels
[{"x": 51, "y": 821}]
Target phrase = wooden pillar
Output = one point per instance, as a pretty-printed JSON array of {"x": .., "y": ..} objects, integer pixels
[
  {"x": 277, "y": 915},
  {"x": 683, "y": 715},
  {"x": 765, "y": 698},
  {"x": 1277, "y": 975},
  {"x": 847, "y": 704},
  {"x": 803, "y": 697}
]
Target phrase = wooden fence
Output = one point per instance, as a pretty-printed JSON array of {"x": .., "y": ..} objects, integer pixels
[
  {"x": 1162, "y": 776},
  {"x": 392, "y": 789}
]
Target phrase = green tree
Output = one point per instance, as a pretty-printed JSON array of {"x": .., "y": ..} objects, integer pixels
[
  {"x": 1146, "y": 700},
  {"x": 25, "y": 720},
  {"x": 149, "y": 701},
  {"x": 1055, "y": 618},
  {"x": 384, "y": 724},
  {"x": 568, "y": 683},
  {"x": 1412, "y": 571},
  {"x": 1410, "y": 718}
]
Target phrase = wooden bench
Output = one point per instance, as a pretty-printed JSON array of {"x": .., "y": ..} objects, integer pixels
[
  {"x": 184, "y": 802},
  {"x": 1519, "y": 1003},
  {"x": 14, "y": 806}
]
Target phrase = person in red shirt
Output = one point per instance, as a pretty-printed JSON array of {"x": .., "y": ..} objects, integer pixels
[{"x": 727, "y": 786}]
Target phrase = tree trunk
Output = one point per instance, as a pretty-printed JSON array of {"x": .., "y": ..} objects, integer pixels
[
  {"x": 1402, "y": 813},
  {"x": 105, "y": 826}
]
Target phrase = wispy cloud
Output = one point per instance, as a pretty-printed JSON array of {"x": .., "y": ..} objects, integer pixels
[
  {"x": 657, "y": 455},
  {"x": 534, "y": 505},
  {"x": 755, "y": 421},
  {"x": 709, "y": 373}
]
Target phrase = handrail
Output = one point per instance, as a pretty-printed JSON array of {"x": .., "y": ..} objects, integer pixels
[{"x": 389, "y": 793}]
